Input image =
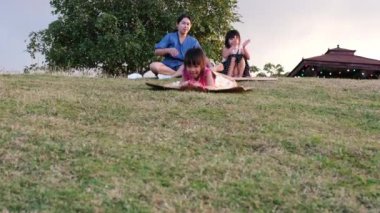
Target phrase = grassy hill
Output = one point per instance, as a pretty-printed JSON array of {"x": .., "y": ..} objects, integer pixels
[{"x": 113, "y": 145}]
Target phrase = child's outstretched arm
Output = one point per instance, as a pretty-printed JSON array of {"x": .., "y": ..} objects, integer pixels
[
  {"x": 189, "y": 84},
  {"x": 245, "y": 51},
  {"x": 210, "y": 82}
]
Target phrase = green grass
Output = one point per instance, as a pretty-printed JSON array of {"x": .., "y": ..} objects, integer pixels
[{"x": 113, "y": 145}]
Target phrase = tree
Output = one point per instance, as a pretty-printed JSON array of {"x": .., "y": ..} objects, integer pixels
[
  {"x": 273, "y": 69},
  {"x": 119, "y": 35},
  {"x": 254, "y": 69}
]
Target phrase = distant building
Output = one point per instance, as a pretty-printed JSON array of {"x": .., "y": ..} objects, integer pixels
[{"x": 338, "y": 63}]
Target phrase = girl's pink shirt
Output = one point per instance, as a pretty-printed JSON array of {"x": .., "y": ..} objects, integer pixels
[{"x": 202, "y": 77}]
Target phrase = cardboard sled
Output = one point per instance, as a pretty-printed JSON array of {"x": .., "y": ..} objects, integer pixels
[{"x": 223, "y": 83}]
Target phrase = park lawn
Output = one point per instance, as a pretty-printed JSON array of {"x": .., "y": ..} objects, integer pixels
[{"x": 70, "y": 144}]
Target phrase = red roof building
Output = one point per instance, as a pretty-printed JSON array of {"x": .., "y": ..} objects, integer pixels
[{"x": 338, "y": 63}]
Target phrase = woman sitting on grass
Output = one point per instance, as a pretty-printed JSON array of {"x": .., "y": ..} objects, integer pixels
[{"x": 173, "y": 48}]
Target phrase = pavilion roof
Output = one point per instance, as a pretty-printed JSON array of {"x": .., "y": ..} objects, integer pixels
[
  {"x": 342, "y": 55},
  {"x": 338, "y": 58}
]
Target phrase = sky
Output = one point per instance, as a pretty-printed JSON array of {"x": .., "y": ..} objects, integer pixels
[
  {"x": 285, "y": 31},
  {"x": 281, "y": 31},
  {"x": 18, "y": 18}
]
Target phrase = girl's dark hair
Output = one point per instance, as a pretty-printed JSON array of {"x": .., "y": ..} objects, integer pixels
[
  {"x": 179, "y": 19},
  {"x": 230, "y": 34},
  {"x": 195, "y": 57}
]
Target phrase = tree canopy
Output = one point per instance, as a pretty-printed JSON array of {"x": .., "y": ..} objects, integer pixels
[
  {"x": 274, "y": 69},
  {"x": 119, "y": 35}
]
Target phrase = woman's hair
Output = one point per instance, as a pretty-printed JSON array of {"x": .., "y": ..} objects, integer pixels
[
  {"x": 179, "y": 19},
  {"x": 195, "y": 57},
  {"x": 230, "y": 34}
]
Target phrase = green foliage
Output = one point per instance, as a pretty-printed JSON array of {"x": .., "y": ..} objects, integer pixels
[
  {"x": 254, "y": 68},
  {"x": 272, "y": 69},
  {"x": 119, "y": 35}
]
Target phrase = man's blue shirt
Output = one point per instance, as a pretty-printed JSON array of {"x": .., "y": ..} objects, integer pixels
[{"x": 171, "y": 40}]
